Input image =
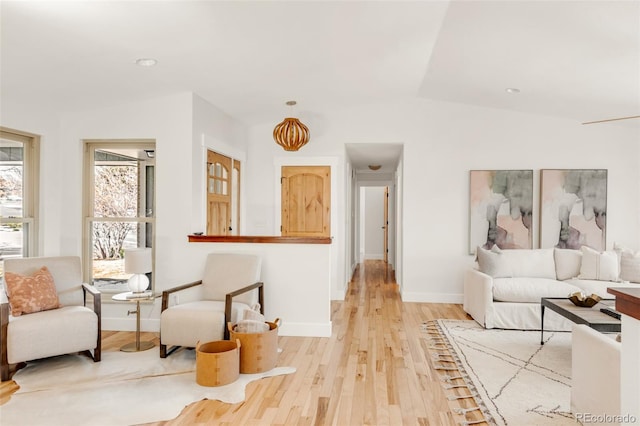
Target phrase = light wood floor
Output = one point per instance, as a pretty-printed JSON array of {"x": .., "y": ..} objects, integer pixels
[{"x": 375, "y": 369}]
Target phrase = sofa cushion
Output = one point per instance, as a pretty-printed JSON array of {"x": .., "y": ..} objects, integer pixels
[
  {"x": 48, "y": 333},
  {"x": 598, "y": 266},
  {"x": 567, "y": 263},
  {"x": 530, "y": 290},
  {"x": 537, "y": 263},
  {"x": 202, "y": 320},
  {"x": 599, "y": 287}
]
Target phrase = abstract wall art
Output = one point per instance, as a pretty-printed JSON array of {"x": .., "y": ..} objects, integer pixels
[
  {"x": 573, "y": 208},
  {"x": 500, "y": 209}
]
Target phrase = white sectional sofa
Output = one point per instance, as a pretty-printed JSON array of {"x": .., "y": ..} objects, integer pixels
[{"x": 505, "y": 288}]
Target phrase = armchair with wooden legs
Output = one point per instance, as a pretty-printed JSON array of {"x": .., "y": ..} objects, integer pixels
[
  {"x": 200, "y": 311},
  {"x": 70, "y": 328}
]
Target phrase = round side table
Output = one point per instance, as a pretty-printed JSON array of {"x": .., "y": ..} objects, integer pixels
[{"x": 129, "y": 296}]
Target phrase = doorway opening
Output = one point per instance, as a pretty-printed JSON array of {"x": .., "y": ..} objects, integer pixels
[
  {"x": 377, "y": 224},
  {"x": 375, "y": 173}
]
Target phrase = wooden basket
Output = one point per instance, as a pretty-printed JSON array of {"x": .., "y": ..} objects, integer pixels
[
  {"x": 259, "y": 351},
  {"x": 218, "y": 362}
]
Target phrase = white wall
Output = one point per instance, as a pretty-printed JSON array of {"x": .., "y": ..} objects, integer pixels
[
  {"x": 389, "y": 180},
  {"x": 31, "y": 119},
  {"x": 172, "y": 122},
  {"x": 372, "y": 236},
  {"x": 216, "y": 131},
  {"x": 399, "y": 224},
  {"x": 442, "y": 142},
  {"x": 351, "y": 245}
]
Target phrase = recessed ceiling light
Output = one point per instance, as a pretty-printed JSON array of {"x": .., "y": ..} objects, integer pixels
[
  {"x": 146, "y": 62},
  {"x": 512, "y": 90}
]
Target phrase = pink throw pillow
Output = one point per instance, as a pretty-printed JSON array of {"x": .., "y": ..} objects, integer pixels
[{"x": 29, "y": 294}]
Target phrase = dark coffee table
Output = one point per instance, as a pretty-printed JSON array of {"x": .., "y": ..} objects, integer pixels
[{"x": 591, "y": 317}]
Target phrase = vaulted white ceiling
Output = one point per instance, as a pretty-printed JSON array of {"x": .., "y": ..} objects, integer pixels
[{"x": 571, "y": 59}]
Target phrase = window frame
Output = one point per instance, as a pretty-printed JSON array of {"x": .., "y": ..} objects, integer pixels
[
  {"x": 30, "y": 188},
  {"x": 90, "y": 148}
]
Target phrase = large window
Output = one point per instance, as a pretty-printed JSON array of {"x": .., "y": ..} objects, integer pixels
[
  {"x": 119, "y": 207},
  {"x": 19, "y": 161}
]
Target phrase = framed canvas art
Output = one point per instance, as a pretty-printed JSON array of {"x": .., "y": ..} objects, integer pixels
[
  {"x": 500, "y": 209},
  {"x": 573, "y": 208}
]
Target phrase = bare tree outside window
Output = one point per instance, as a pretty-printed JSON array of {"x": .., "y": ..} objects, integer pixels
[
  {"x": 11, "y": 200},
  {"x": 10, "y": 182},
  {"x": 116, "y": 195}
]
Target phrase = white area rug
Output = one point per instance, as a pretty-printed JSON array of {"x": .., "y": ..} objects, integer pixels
[
  {"x": 517, "y": 380},
  {"x": 122, "y": 389}
]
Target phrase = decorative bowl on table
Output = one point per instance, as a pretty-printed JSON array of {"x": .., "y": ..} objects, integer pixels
[{"x": 580, "y": 299}]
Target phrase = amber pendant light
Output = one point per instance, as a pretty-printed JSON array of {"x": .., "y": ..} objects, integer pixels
[{"x": 291, "y": 134}]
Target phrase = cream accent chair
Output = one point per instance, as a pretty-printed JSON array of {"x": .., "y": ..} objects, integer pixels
[
  {"x": 595, "y": 375},
  {"x": 200, "y": 311},
  {"x": 68, "y": 329}
]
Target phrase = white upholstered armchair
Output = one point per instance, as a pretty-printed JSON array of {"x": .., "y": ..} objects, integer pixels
[
  {"x": 200, "y": 311},
  {"x": 595, "y": 375},
  {"x": 29, "y": 331}
]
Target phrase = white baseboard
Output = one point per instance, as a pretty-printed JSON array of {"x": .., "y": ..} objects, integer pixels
[
  {"x": 431, "y": 297},
  {"x": 305, "y": 329},
  {"x": 338, "y": 294}
]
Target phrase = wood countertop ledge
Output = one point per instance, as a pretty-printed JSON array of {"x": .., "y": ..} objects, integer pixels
[
  {"x": 627, "y": 300},
  {"x": 266, "y": 239}
]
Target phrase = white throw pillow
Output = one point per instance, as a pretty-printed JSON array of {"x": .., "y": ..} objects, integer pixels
[
  {"x": 499, "y": 263},
  {"x": 598, "y": 266},
  {"x": 534, "y": 263},
  {"x": 568, "y": 263},
  {"x": 492, "y": 262},
  {"x": 630, "y": 267},
  {"x": 629, "y": 263}
]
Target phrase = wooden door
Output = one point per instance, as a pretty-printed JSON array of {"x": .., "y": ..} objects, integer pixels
[
  {"x": 218, "y": 194},
  {"x": 306, "y": 201}
]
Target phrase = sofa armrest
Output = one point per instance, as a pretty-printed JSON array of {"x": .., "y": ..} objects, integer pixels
[
  {"x": 166, "y": 293},
  {"x": 478, "y": 295},
  {"x": 229, "y": 301},
  {"x": 595, "y": 373},
  {"x": 97, "y": 308},
  {"x": 4, "y": 324},
  {"x": 97, "y": 297}
]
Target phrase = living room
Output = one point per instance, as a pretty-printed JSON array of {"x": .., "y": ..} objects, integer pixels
[{"x": 429, "y": 76}]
